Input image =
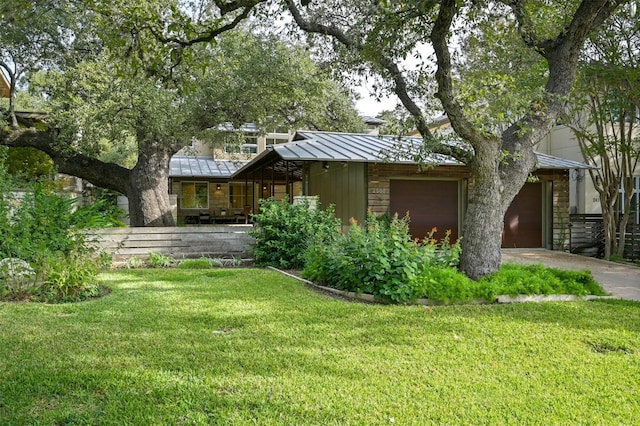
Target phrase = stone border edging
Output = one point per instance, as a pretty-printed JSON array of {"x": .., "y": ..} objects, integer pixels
[{"x": 523, "y": 298}]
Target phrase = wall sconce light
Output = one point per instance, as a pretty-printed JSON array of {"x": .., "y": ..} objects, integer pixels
[
  {"x": 325, "y": 164},
  {"x": 218, "y": 187},
  {"x": 264, "y": 187}
]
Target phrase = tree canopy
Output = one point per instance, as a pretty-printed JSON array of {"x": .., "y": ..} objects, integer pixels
[
  {"x": 377, "y": 36},
  {"x": 147, "y": 87},
  {"x": 604, "y": 114}
]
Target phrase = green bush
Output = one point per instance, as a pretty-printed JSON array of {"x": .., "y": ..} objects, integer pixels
[
  {"x": 284, "y": 232},
  {"x": 514, "y": 279},
  {"x": 445, "y": 285},
  {"x": 51, "y": 234},
  {"x": 380, "y": 258},
  {"x": 17, "y": 279},
  {"x": 159, "y": 260},
  {"x": 68, "y": 279}
]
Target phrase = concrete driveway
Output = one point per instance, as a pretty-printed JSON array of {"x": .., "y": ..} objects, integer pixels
[{"x": 620, "y": 280}]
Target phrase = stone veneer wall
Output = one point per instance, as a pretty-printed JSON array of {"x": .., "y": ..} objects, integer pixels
[
  {"x": 559, "y": 206},
  {"x": 379, "y": 197}
]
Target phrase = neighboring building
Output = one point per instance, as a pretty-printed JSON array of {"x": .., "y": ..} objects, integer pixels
[
  {"x": 5, "y": 88},
  {"x": 201, "y": 177},
  {"x": 347, "y": 170},
  {"x": 373, "y": 124},
  {"x": 584, "y": 199}
]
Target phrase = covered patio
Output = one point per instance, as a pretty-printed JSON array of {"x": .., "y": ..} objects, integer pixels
[{"x": 210, "y": 191}]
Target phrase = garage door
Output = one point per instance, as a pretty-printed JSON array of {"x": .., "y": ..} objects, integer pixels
[
  {"x": 523, "y": 220},
  {"x": 430, "y": 203}
]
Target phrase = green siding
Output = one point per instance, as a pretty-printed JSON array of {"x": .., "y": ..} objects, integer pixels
[{"x": 341, "y": 184}]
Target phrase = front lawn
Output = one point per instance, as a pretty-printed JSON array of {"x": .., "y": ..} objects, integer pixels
[{"x": 250, "y": 346}]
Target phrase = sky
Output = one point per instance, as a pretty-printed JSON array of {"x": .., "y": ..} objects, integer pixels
[{"x": 368, "y": 105}]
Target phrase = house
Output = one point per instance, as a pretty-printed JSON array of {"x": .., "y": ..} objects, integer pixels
[
  {"x": 201, "y": 177},
  {"x": 202, "y": 181},
  {"x": 347, "y": 170}
]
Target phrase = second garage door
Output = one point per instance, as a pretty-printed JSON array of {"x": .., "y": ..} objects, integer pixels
[{"x": 523, "y": 225}]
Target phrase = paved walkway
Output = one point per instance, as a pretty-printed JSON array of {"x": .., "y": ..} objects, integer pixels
[{"x": 620, "y": 280}]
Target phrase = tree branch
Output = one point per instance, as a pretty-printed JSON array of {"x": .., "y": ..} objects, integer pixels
[
  {"x": 400, "y": 87},
  {"x": 442, "y": 27},
  {"x": 99, "y": 173},
  {"x": 212, "y": 33},
  {"x": 562, "y": 54}
]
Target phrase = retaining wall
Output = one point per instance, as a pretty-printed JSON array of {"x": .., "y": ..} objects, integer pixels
[{"x": 215, "y": 241}]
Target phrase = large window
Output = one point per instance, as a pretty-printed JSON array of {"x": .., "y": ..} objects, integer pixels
[
  {"x": 239, "y": 195},
  {"x": 247, "y": 145},
  {"x": 195, "y": 195},
  {"x": 635, "y": 201}
]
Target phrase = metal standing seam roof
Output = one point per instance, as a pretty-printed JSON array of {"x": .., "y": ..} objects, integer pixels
[
  {"x": 365, "y": 148},
  {"x": 203, "y": 167},
  {"x": 326, "y": 146},
  {"x": 546, "y": 161}
]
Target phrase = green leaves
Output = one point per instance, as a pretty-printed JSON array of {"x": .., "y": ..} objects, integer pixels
[
  {"x": 379, "y": 258},
  {"x": 285, "y": 231},
  {"x": 49, "y": 232}
]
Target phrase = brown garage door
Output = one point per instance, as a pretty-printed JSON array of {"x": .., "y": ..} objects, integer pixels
[
  {"x": 430, "y": 203},
  {"x": 523, "y": 220}
]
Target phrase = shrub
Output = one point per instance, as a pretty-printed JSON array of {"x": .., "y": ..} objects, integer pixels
[
  {"x": 380, "y": 258},
  {"x": 450, "y": 286},
  {"x": 445, "y": 285},
  {"x": 443, "y": 253},
  {"x": 51, "y": 234},
  {"x": 514, "y": 279},
  {"x": 159, "y": 260},
  {"x": 68, "y": 279},
  {"x": 284, "y": 231},
  {"x": 17, "y": 279},
  {"x": 134, "y": 263}
]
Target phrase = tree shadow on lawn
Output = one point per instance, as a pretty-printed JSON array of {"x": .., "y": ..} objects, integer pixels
[
  {"x": 581, "y": 315},
  {"x": 287, "y": 300}
]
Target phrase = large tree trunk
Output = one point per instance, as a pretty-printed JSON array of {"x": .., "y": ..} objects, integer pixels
[
  {"x": 495, "y": 183},
  {"x": 148, "y": 187},
  {"x": 483, "y": 224}
]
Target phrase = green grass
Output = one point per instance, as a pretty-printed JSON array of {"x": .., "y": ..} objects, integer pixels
[{"x": 250, "y": 346}]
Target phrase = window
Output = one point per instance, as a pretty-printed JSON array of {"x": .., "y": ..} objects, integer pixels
[
  {"x": 250, "y": 145},
  {"x": 247, "y": 145},
  {"x": 635, "y": 201},
  {"x": 274, "y": 141},
  {"x": 239, "y": 195},
  {"x": 195, "y": 195}
]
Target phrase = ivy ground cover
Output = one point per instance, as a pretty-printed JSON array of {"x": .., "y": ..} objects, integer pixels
[{"x": 250, "y": 346}]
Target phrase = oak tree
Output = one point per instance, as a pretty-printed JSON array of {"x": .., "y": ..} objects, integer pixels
[{"x": 378, "y": 36}]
